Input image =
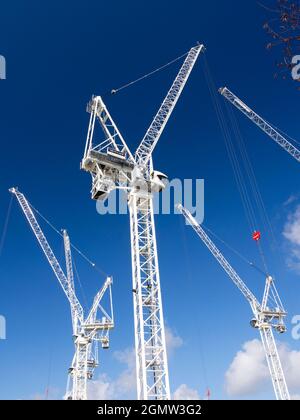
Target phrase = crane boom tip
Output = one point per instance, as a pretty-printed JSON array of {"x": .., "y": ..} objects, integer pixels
[{"x": 13, "y": 190}]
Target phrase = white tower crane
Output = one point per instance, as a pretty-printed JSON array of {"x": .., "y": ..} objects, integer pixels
[
  {"x": 261, "y": 123},
  {"x": 268, "y": 315},
  {"x": 87, "y": 331},
  {"x": 112, "y": 166}
]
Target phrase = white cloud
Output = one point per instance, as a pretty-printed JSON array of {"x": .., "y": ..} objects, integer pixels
[
  {"x": 248, "y": 373},
  {"x": 292, "y": 198},
  {"x": 101, "y": 389},
  {"x": 173, "y": 341},
  {"x": 291, "y": 232},
  {"x": 126, "y": 382},
  {"x": 291, "y": 365},
  {"x": 124, "y": 385},
  {"x": 183, "y": 392},
  {"x": 292, "y": 227}
]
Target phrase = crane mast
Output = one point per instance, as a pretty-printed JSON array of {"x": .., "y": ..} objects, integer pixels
[
  {"x": 261, "y": 123},
  {"x": 87, "y": 332},
  {"x": 266, "y": 318},
  {"x": 151, "y": 355},
  {"x": 112, "y": 166}
]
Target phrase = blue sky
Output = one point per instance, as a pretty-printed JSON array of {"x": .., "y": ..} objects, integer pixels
[{"x": 58, "y": 55}]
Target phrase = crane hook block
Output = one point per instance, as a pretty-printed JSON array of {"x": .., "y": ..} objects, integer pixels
[{"x": 256, "y": 236}]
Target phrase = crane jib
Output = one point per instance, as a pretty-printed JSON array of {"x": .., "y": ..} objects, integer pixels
[
  {"x": 261, "y": 123},
  {"x": 148, "y": 143}
]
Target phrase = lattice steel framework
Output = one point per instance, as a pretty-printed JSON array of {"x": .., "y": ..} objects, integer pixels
[
  {"x": 268, "y": 315},
  {"x": 87, "y": 332},
  {"x": 112, "y": 166}
]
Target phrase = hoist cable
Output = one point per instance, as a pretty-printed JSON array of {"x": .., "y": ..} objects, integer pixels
[
  {"x": 113, "y": 91},
  {"x": 260, "y": 206},
  {"x": 5, "y": 227},
  {"x": 201, "y": 344},
  {"x": 262, "y": 256},
  {"x": 235, "y": 251},
  {"x": 252, "y": 178},
  {"x": 283, "y": 133},
  {"x": 73, "y": 246},
  {"x": 236, "y": 163},
  {"x": 80, "y": 283},
  {"x": 229, "y": 147},
  {"x": 49, "y": 374}
]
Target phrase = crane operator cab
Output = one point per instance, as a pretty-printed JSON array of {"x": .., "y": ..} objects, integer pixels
[{"x": 159, "y": 181}]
